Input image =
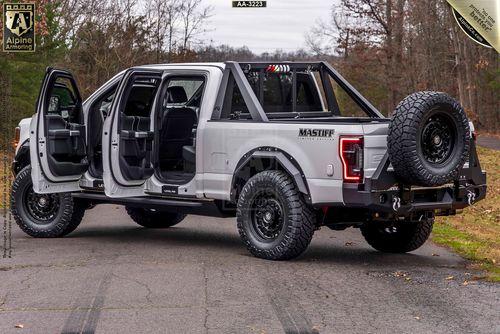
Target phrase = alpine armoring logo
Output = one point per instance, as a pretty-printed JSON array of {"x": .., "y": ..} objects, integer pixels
[
  {"x": 19, "y": 27},
  {"x": 316, "y": 133}
]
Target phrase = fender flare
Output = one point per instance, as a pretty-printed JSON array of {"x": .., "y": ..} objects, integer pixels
[
  {"x": 22, "y": 157},
  {"x": 285, "y": 160}
]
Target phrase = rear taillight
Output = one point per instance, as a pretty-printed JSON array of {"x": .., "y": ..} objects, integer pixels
[{"x": 351, "y": 154}]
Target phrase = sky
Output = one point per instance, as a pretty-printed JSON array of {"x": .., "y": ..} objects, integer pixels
[{"x": 281, "y": 25}]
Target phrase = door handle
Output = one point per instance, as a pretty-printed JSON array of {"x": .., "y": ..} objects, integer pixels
[
  {"x": 59, "y": 133},
  {"x": 143, "y": 134}
]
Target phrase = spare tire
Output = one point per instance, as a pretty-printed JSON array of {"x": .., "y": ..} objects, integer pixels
[{"x": 428, "y": 139}]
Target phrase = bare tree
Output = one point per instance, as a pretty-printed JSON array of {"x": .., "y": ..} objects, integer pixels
[
  {"x": 390, "y": 48},
  {"x": 194, "y": 15},
  {"x": 163, "y": 15}
]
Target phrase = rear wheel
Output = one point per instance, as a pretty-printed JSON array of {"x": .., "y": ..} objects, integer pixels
[
  {"x": 399, "y": 236},
  {"x": 43, "y": 215},
  {"x": 154, "y": 218},
  {"x": 273, "y": 219}
]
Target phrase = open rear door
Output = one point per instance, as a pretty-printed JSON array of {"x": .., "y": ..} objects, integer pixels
[
  {"x": 127, "y": 136},
  {"x": 58, "y": 149}
]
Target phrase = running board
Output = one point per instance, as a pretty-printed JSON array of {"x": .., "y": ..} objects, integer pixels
[{"x": 203, "y": 208}]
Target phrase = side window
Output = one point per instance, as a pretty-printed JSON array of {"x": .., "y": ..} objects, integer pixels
[
  {"x": 63, "y": 100},
  {"x": 184, "y": 91}
]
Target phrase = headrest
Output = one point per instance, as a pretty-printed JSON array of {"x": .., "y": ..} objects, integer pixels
[{"x": 176, "y": 94}]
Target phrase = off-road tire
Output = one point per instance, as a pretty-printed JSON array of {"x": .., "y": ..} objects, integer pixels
[
  {"x": 409, "y": 139},
  {"x": 154, "y": 219},
  {"x": 298, "y": 219},
  {"x": 66, "y": 219},
  {"x": 408, "y": 236}
]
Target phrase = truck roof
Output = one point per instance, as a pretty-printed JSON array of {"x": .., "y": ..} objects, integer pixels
[{"x": 166, "y": 66}]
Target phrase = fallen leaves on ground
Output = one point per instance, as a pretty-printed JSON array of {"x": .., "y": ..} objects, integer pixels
[
  {"x": 402, "y": 274},
  {"x": 466, "y": 282}
]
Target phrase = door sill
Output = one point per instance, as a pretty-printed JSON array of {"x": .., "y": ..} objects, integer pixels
[{"x": 175, "y": 178}]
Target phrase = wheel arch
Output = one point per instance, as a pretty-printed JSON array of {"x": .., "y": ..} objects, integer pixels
[{"x": 267, "y": 158}]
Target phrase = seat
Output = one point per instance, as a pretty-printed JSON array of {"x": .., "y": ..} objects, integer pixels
[
  {"x": 189, "y": 158},
  {"x": 176, "y": 94},
  {"x": 176, "y": 133}
]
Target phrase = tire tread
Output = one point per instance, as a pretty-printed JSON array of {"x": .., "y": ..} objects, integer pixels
[{"x": 302, "y": 219}]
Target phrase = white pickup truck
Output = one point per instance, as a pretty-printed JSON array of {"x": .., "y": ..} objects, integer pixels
[{"x": 285, "y": 147}]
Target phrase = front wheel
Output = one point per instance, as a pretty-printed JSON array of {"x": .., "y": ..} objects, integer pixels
[
  {"x": 154, "y": 218},
  {"x": 399, "y": 236},
  {"x": 43, "y": 215},
  {"x": 274, "y": 221}
]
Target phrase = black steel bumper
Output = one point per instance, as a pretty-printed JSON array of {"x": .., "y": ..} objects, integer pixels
[{"x": 382, "y": 193}]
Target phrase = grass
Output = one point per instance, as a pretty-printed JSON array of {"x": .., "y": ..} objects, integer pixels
[{"x": 475, "y": 233}]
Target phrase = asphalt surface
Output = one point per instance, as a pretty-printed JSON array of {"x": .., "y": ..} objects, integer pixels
[
  {"x": 489, "y": 142},
  {"x": 111, "y": 276}
]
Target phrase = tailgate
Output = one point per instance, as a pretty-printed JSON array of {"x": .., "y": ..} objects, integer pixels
[{"x": 375, "y": 146}]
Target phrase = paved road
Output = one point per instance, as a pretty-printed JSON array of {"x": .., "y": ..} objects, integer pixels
[
  {"x": 489, "y": 142},
  {"x": 111, "y": 276}
]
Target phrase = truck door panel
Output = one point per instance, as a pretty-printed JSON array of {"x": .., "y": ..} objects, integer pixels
[
  {"x": 57, "y": 137},
  {"x": 127, "y": 137}
]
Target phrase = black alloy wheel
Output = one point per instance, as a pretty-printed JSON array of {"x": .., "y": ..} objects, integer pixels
[
  {"x": 267, "y": 216},
  {"x": 438, "y": 138},
  {"x": 42, "y": 208}
]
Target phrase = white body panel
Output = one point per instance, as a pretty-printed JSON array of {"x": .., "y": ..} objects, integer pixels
[
  {"x": 221, "y": 144},
  {"x": 226, "y": 142}
]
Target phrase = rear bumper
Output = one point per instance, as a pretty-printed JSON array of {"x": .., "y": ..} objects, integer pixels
[
  {"x": 383, "y": 193},
  {"x": 403, "y": 201}
]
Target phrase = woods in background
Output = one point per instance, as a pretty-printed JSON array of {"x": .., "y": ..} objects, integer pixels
[
  {"x": 391, "y": 48},
  {"x": 386, "y": 48},
  {"x": 95, "y": 39}
]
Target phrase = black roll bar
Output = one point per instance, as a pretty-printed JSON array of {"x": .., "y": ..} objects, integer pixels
[{"x": 235, "y": 69}]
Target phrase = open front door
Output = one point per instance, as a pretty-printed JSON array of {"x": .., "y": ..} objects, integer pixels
[
  {"x": 127, "y": 137},
  {"x": 58, "y": 149}
]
